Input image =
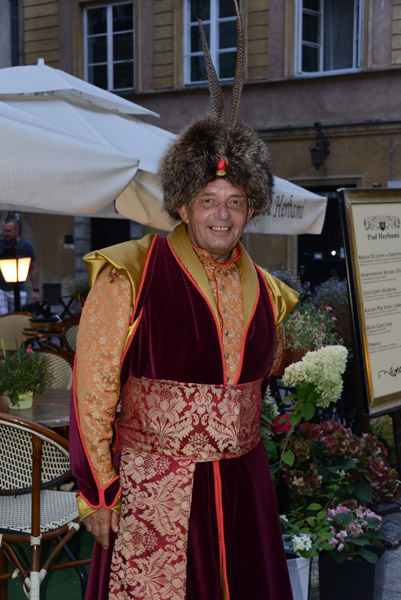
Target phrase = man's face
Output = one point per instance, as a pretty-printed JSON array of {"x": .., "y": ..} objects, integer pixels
[
  {"x": 10, "y": 232},
  {"x": 216, "y": 218}
]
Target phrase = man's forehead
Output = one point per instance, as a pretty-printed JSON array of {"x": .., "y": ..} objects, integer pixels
[
  {"x": 221, "y": 186},
  {"x": 217, "y": 192}
]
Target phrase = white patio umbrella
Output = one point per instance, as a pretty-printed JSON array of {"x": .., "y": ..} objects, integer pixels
[
  {"x": 69, "y": 147},
  {"x": 41, "y": 80}
]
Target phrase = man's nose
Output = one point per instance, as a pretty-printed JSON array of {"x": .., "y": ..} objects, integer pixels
[{"x": 222, "y": 210}]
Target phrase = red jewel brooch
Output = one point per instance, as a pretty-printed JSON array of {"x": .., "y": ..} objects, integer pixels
[{"x": 221, "y": 167}]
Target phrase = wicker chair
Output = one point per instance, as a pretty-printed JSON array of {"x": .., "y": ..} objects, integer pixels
[
  {"x": 69, "y": 339},
  {"x": 11, "y": 329},
  {"x": 34, "y": 459},
  {"x": 59, "y": 368}
]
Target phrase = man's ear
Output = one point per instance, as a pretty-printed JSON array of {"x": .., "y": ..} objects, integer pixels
[
  {"x": 183, "y": 212},
  {"x": 250, "y": 213}
]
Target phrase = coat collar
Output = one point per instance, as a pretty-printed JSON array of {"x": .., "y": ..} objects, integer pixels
[{"x": 186, "y": 255}]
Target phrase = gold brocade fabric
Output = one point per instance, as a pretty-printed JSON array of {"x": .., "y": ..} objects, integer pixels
[
  {"x": 225, "y": 283},
  {"x": 107, "y": 308},
  {"x": 165, "y": 428}
]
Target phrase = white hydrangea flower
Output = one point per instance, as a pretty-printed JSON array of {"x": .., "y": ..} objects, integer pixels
[
  {"x": 323, "y": 368},
  {"x": 270, "y": 405},
  {"x": 301, "y": 542}
]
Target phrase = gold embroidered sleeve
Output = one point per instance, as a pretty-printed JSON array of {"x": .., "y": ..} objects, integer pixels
[
  {"x": 284, "y": 298},
  {"x": 101, "y": 337}
]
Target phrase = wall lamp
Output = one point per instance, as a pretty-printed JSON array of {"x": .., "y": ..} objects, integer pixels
[
  {"x": 14, "y": 270},
  {"x": 320, "y": 148}
]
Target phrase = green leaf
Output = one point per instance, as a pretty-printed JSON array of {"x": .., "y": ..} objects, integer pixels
[
  {"x": 346, "y": 463},
  {"x": 321, "y": 514},
  {"x": 364, "y": 491},
  {"x": 307, "y": 410},
  {"x": 295, "y": 418},
  {"x": 326, "y": 545},
  {"x": 288, "y": 398},
  {"x": 343, "y": 518},
  {"x": 338, "y": 556},
  {"x": 314, "y": 506},
  {"x": 361, "y": 540},
  {"x": 288, "y": 457},
  {"x": 368, "y": 555}
]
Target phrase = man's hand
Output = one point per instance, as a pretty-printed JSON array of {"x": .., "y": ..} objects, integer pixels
[{"x": 100, "y": 522}]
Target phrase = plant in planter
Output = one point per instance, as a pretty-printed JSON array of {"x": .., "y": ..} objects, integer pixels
[
  {"x": 353, "y": 528},
  {"x": 322, "y": 451},
  {"x": 384, "y": 429},
  {"x": 321, "y": 465},
  {"x": 309, "y": 328},
  {"x": 317, "y": 380},
  {"x": 334, "y": 293},
  {"x": 349, "y": 570},
  {"x": 306, "y": 532},
  {"x": 22, "y": 372}
]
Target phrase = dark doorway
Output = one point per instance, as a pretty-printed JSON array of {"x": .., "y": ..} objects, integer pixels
[
  {"x": 106, "y": 232},
  {"x": 320, "y": 256}
]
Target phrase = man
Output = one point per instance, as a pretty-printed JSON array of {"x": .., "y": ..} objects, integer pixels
[
  {"x": 11, "y": 240},
  {"x": 182, "y": 332}
]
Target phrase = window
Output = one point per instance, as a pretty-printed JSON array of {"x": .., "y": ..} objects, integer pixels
[
  {"x": 220, "y": 26},
  {"x": 109, "y": 46},
  {"x": 329, "y": 36}
]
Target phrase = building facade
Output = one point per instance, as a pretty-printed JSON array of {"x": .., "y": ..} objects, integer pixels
[{"x": 321, "y": 75}]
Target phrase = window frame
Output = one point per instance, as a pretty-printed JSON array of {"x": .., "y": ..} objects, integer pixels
[
  {"x": 215, "y": 51},
  {"x": 357, "y": 47},
  {"x": 109, "y": 39}
]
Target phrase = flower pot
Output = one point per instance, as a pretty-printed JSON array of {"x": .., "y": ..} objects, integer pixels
[
  {"x": 298, "y": 570},
  {"x": 351, "y": 580},
  {"x": 24, "y": 401}
]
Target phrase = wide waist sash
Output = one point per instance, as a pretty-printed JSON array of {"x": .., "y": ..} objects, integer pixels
[
  {"x": 200, "y": 421},
  {"x": 164, "y": 429}
]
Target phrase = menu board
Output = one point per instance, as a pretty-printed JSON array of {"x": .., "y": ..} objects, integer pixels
[{"x": 373, "y": 220}]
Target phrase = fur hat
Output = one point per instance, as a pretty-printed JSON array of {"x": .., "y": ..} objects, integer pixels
[
  {"x": 194, "y": 158},
  {"x": 190, "y": 163}
]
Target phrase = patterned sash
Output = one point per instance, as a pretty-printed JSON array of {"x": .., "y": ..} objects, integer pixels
[{"x": 164, "y": 429}]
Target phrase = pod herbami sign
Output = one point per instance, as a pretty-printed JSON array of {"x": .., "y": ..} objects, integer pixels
[{"x": 374, "y": 230}]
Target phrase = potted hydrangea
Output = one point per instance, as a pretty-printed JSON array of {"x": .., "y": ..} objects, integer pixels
[
  {"x": 23, "y": 374},
  {"x": 349, "y": 570},
  {"x": 331, "y": 478}
]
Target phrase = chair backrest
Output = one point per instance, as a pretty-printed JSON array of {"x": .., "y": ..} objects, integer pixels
[
  {"x": 11, "y": 329},
  {"x": 71, "y": 333},
  {"x": 18, "y": 438},
  {"x": 59, "y": 369}
]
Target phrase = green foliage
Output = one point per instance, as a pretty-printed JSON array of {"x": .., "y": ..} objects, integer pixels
[
  {"x": 352, "y": 529},
  {"x": 306, "y": 531},
  {"x": 327, "y": 453},
  {"x": 383, "y": 428},
  {"x": 22, "y": 371},
  {"x": 310, "y": 328}
]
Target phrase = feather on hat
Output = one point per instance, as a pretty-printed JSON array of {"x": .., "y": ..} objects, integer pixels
[{"x": 213, "y": 146}]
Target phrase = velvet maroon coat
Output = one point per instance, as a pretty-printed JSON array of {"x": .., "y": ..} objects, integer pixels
[{"x": 177, "y": 338}]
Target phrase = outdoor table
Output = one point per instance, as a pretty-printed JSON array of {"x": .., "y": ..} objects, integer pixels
[{"x": 51, "y": 408}]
